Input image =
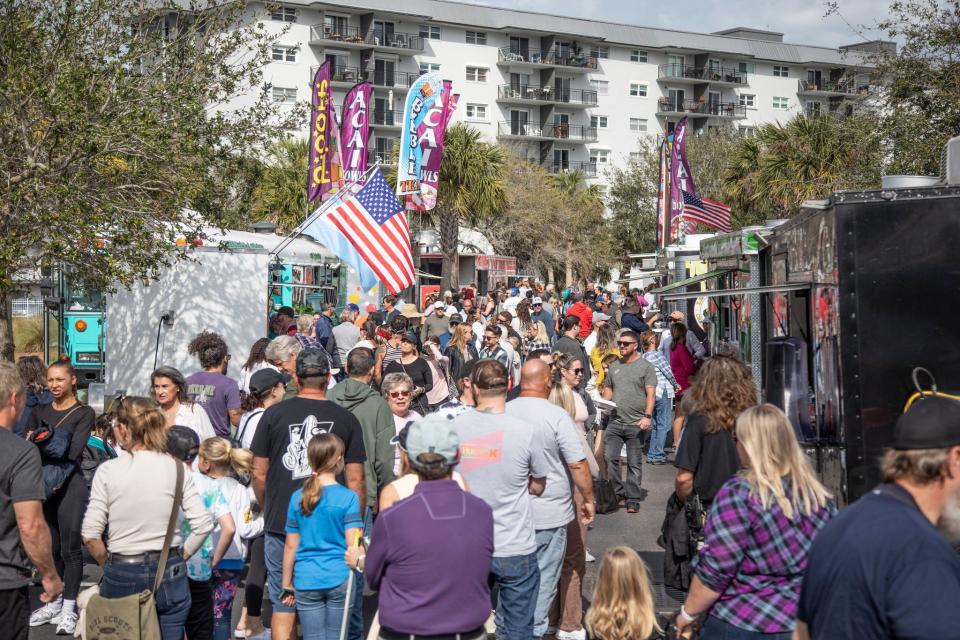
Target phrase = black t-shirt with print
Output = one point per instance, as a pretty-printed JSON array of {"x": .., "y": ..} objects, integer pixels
[{"x": 282, "y": 436}]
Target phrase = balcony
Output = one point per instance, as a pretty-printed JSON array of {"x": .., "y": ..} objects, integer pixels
[
  {"x": 397, "y": 79},
  {"x": 537, "y": 59},
  {"x": 830, "y": 88},
  {"x": 394, "y": 42},
  {"x": 565, "y": 132},
  {"x": 695, "y": 108},
  {"x": 349, "y": 37},
  {"x": 383, "y": 158},
  {"x": 684, "y": 74},
  {"x": 387, "y": 119},
  {"x": 588, "y": 169},
  {"x": 531, "y": 94},
  {"x": 346, "y": 76}
]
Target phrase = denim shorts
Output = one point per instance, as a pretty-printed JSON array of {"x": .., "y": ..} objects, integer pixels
[{"x": 273, "y": 558}]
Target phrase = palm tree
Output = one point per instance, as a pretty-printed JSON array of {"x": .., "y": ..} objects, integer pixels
[
  {"x": 574, "y": 186},
  {"x": 281, "y": 196},
  {"x": 471, "y": 189}
]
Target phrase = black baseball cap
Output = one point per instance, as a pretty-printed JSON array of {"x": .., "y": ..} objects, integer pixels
[
  {"x": 266, "y": 379},
  {"x": 933, "y": 422},
  {"x": 183, "y": 443},
  {"x": 410, "y": 337},
  {"x": 313, "y": 363}
]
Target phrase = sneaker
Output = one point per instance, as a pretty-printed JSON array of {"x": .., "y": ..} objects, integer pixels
[
  {"x": 579, "y": 634},
  {"x": 590, "y": 557},
  {"x": 47, "y": 614},
  {"x": 263, "y": 635},
  {"x": 68, "y": 623}
]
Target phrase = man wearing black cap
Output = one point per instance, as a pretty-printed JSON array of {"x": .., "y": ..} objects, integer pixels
[
  {"x": 280, "y": 463},
  {"x": 884, "y": 567}
]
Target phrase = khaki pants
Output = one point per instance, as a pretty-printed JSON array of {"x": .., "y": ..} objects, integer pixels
[{"x": 567, "y": 611}]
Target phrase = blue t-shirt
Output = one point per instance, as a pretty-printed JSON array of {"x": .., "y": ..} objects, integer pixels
[
  {"x": 319, "y": 560},
  {"x": 881, "y": 570}
]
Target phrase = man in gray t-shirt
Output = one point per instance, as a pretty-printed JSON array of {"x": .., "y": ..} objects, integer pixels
[
  {"x": 501, "y": 458},
  {"x": 631, "y": 382},
  {"x": 559, "y": 540}
]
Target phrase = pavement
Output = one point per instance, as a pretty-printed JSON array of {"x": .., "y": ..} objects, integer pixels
[{"x": 636, "y": 530}]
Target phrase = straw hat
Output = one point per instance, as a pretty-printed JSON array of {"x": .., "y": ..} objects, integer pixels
[{"x": 409, "y": 310}]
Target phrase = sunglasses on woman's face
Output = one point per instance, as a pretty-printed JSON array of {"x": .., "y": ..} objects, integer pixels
[
  {"x": 577, "y": 372},
  {"x": 399, "y": 394}
]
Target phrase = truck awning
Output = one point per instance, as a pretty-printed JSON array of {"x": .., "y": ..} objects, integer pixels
[
  {"x": 776, "y": 288},
  {"x": 673, "y": 286}
]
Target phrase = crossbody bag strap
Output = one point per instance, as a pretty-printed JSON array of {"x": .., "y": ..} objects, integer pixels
[
  {"x": 246, "y": 423},
  {"x": 168, "y": 538},
  {"x": 72, "y": 409}
]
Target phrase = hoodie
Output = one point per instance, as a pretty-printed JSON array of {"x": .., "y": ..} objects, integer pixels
[
  {"x": 378, "y": 429},
  {"x": 33, "y": 399},
  {"x": 585, "y": 314}
]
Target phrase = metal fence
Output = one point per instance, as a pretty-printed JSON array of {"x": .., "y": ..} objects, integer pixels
[{"x": 27, "y": 307}]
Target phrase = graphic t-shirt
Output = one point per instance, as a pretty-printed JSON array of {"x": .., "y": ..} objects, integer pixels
[
  {"x": 200, "y": 564},
  {"x": 216, "y": 393},
  {"x": 319, "y": 561},
  {"x": 282, "y": 436}
]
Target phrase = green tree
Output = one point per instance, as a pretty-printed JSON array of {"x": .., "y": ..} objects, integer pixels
[
  {"x": 281, "y": 195},
  {"x": 118, "y": 127}
]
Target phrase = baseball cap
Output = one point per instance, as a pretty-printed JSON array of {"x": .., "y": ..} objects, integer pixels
[
  {"x": 312, "y": 362},
  {"x": 432, "y": 434},
  {"x": 266, "y": 379},
  {"x": 183, "y": 443},
  {"x": 353, "y": 307},
  {"x": 400, "y": 440},
  {"x": 536, "y": 301},
  {"x": 371, "y": 308},
  {"x": 933, "y": 422},
  {"x": 600, "y": 317},
  {"x": 410, "y": 337},
  {"x": 439, "y": 304}
]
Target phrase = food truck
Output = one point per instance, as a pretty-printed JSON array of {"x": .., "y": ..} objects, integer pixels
[
  {"x": 836, "y": 308},
  {"x": 230, "y": 282}
]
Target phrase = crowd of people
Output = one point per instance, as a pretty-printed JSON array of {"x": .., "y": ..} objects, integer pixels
[{"x": 446, "y": 457}]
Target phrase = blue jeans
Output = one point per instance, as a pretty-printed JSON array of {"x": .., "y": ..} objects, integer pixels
[
  {"x": 717, "y": 629},
  {"x": 518, "y": 578},
  {"x": 173, "y": 596},
  {"x": 355, "y": 630},
  {"x": 273, "y": 558},
  {"x": 321, "y": 612},
  {"x": 615, "y": 436},
  {"x": 551, "y": 547},
  {"x": 662, "y": 423}
]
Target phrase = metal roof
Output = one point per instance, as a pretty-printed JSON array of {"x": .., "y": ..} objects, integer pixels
[{"x": 498, "y": 19}]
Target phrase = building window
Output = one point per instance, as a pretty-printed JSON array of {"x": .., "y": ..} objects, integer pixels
[
  {"x": 780, "y": 71},
  {"x": 284, "y": 94},
  {"x": 284, "y": 54},
  {"x": 598, "y": 122},
  {"x": 599, "y": 156},
  {"x": 427, "y": 67},
  {"x": 638, "y": 124},
  {"x": 634, "y": 156},
  {"x": 747, "y": 132},
  {"x": 638, "y": 90},
  {"x": 284, "y": 14},
  {"x": 602, "y": 87},
  {"x": 746, "y": 67},
  {"x": 599, "y": 52},
  {"x": 812, "y": 108},
  {"x": 476, "y": 37},
  {"x": 638, "y": 55},
  {"x": 476, "y": 111},
  {"x": 748, "y": 100},
  {"x": 602, "y": 191},
  {"x": 477, "y": 74},
  {"x": 429, "y": 32},
  {"x": 780, "y": 102}
]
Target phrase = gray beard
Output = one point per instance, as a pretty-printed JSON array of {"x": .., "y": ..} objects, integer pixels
[{"x": 949, "y": 523}]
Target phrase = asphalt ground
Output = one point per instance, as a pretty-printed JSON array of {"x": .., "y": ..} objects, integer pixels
[{"x": 636, "y": 530}]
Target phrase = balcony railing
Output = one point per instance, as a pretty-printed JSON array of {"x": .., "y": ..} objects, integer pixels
[
  {"x": 828, "y": 86},
  {"x": 347, "y": 74},
  {"x": 720, "y": 109},
  {"x": 348, "y": 34},
  {"x": 395, "y": 40},
  {"x": 402, "y": 79},
  {"x": 556, "y": 56},
  {"x": 703, "y": 74},
  {"x": 380, "y": 157},
  {"x": 588, "y": 169},
  {"x": 387, "y": 118},
  {"x": 572, "y": 132},
  {"x": 535, "y": 93}
]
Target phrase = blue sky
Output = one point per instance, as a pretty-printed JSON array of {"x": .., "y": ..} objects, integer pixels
[{"x": 800, "y": 22}]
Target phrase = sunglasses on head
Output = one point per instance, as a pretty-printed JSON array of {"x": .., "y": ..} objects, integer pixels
[
  {"x": 399, "y": 394},
  {"x": 625, "y": 343}
]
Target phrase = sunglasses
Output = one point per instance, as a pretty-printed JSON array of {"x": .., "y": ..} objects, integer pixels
[
  {"x": 399, "y": 394},
  {"x": 577, "y": 372},
  {"x": 489, "y": 337},
  {"x": 625, "y": 343}
]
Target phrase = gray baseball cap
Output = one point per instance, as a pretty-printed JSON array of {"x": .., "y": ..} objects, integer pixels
[{"x": 433, "y": 434}]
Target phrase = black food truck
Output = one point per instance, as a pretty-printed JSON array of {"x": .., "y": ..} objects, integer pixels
[{"x": 835, "y": 308}]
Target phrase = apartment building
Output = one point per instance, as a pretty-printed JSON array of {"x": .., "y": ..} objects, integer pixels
[{"x": 566, "y": 93}]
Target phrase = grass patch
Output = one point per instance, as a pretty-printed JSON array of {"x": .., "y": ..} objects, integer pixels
[{"x": 28, "y": 336}]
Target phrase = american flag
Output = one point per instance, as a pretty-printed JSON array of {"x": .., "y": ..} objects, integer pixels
[
  {"x": 375, "y": 224},
  {"x": 705, "y": 211}
]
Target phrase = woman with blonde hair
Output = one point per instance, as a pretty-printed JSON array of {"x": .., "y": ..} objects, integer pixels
[
  {"x": 460, "y": 349},
  {"x": 606, "y": 345},
  {"x": 748, "y": 574},
  {"x": 537, "y": 338},
  {"x": 707, "y": 453},
  {"x": 224, "y": 463},
  {"x": 622, "y": 606}
]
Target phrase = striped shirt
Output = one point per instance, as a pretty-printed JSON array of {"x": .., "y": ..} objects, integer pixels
[{"x": 666, "y": 382}]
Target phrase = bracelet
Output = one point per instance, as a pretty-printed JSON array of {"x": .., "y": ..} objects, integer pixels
[
  {"x": 686, "y": 616},
  {"x": 359, "y": 558}
]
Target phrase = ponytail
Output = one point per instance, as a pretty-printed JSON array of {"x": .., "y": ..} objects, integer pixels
[
  {"x": 220, "y": 454},
  {"x": 323, "y": 454}
]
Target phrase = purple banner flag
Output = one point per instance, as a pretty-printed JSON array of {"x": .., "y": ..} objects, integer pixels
[
  {"x": 680, "y": 177},
  {"x": 663, "y": 217},
  {"x": 323, "y": 175},
  {"x": 430, "y": 134},
  {"x": 355, "y": 131}
]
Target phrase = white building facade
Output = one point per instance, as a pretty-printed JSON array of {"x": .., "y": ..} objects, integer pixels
[{"x": 566, "y": 93}]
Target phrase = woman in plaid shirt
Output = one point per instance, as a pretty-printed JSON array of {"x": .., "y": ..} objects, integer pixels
[{"x": 757, "y": 536}]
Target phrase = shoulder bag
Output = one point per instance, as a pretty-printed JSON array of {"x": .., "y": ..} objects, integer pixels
[
  {"x": 134, "y": 617},
  {"x": 604, "y": 495}
]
